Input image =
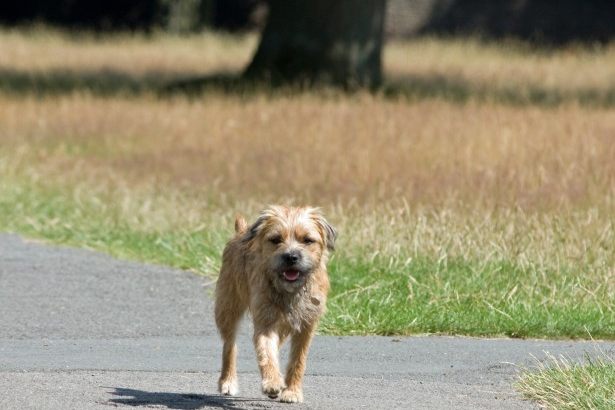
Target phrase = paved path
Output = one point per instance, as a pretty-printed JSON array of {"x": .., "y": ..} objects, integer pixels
[{"x": 82, "y": 330}]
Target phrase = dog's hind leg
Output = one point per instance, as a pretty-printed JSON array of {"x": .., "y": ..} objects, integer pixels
[{"x": 228, "y": 316}]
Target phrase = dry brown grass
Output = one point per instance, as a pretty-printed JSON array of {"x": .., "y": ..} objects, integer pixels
[
  {"x": 44, "y": 50},
  {"x": 506, "y": 64},
  {"x": 331, "y": 150},
  {"x": 495, "y": 65}
]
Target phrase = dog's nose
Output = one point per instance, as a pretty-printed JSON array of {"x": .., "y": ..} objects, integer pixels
[{"x": 292, "y": 256}]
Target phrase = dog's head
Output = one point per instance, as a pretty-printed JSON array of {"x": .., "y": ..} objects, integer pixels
[{"x": 292, "y": 242}]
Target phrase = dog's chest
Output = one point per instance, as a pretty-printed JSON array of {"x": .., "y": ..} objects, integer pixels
[{"x": 298, "y": 310}]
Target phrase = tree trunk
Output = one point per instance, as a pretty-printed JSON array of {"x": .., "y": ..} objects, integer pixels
[{"x": 335, "y": 42}]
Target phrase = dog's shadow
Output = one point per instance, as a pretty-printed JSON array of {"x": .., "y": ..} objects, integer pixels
[{"x": 185, "y": 401}]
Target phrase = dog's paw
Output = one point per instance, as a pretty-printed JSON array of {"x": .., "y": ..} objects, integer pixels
[
  {"x": 292, "y": 396},
  {"x": 228, "y": 387},
  {"x": 273, "y": 387}
]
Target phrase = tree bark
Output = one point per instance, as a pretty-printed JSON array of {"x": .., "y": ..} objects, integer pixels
[{"x": 335, "y": 42}]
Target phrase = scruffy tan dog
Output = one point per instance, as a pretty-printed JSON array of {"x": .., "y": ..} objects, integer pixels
[{"x": 276, "y": 268}]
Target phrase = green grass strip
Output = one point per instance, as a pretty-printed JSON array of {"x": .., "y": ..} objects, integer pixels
[{"x": 370, "y": 295}]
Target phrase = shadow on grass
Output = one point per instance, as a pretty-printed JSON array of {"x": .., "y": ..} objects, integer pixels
[
  {"x": 185, "y": 401},
  {"x": 413, "y": 87},
  {"x": 115, "y": 82},
  {"x": 100, "y": 82},
  {"x": 461, "y": 91}
]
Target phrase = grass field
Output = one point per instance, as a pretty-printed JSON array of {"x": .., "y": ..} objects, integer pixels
[
  {"x": 562, "y": 384},
  {"x": 474, "y": 195}
]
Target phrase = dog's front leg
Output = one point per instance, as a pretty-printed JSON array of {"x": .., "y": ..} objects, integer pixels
[
  {"x": 300, "y": 344},
  {"x": 266, "y": 346}
]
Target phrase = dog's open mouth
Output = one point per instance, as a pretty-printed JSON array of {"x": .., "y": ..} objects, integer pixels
[{"x": 291, "y": 275}]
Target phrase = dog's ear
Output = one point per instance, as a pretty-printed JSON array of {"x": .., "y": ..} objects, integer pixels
[
  {"x": 254, "y": 229},
  {"x": 240, "y": 225},
  {"x": 330, "y": 234}
]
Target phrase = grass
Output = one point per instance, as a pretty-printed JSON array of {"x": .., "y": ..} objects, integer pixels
[
  {"x": 55, "y": 62},
  {"x": 561, "y": 384},
  {"x": 505, "y": 72},
  {"x": 340, "y": 149},
  {"x": 432, "y": 272},
  {"x": 475, "y": 217}
]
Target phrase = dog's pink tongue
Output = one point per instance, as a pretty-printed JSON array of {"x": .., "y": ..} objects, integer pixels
[{"x": 291, "y": 275}]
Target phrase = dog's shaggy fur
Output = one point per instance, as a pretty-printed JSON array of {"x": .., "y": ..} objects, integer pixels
[{"x": 276, "y": 268}]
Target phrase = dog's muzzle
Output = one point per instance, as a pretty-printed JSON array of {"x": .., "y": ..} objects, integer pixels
[{"x": 293, "y": 266}]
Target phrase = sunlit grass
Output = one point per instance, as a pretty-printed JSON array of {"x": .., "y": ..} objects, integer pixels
[
  {"x": 396, "y": 271},
  {"x": 479, "y": 218},
  {"x": 50, "y": 61},
  {"x": 45, "y": 50},
  {"x": 505, "y": 63},
  {"x": 327, "y": 150},
  {"x": 499, "y": 63},
  {"x": 565, "y": 385}
]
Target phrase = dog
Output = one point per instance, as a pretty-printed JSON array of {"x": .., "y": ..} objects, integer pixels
[{"x": 276, "y": 269}]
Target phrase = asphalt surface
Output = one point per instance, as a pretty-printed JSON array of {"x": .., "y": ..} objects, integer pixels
[{"x": 82, "y": 330}]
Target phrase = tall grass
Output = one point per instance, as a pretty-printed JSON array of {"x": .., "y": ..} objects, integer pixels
[
  {"x": 328, "y": 150},
  {"x": 566, "y": 385},
  {"x": 398, "y": 270},
  {"x": 472, "y": 60},
  {"x": 51, "y": 62},
  {"x": 477, "y": 218}
]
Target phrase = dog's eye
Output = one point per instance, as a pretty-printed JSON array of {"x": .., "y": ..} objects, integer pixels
[
  {"x": 308, "y": 241},
  {"x": 275, "y": 240}
]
